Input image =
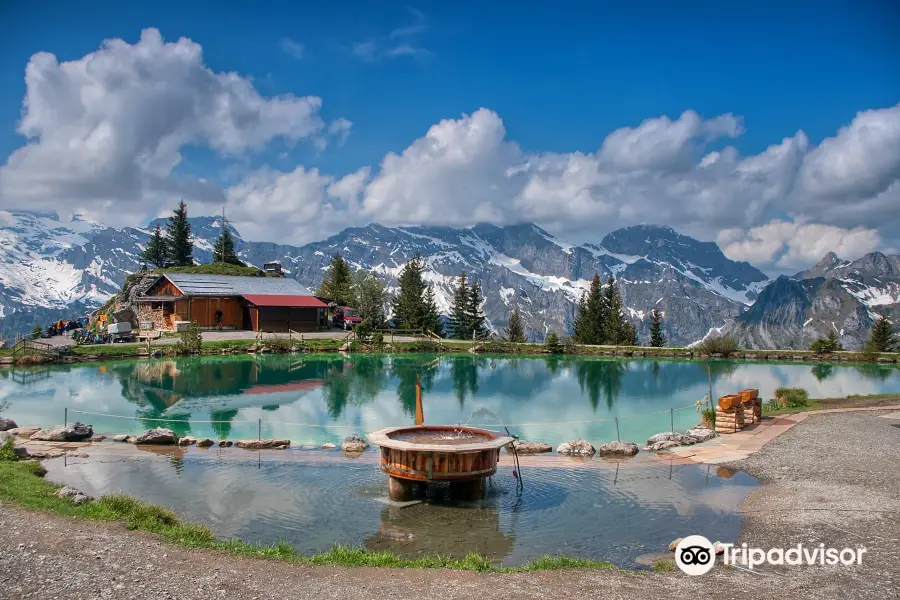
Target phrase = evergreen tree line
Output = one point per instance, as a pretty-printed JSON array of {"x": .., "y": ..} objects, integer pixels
[
  {"x": 600, "y": 318},
  {"x": 466, "y": 317},
  {"x": 362, "y": 291},
  {"x": 175, "y": 248},
  {"x": 881, "y": 339}
]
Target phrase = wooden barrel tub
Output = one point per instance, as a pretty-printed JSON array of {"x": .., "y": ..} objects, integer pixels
[{"x": 463, "y": 456}]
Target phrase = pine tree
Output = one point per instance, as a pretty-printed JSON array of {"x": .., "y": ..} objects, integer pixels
[
  {"x": 431, "y": 319},
  {"x": 515, "y": 328},
  {"x": 337, "y": 284},
  {"x": 223, "y": 248},
  {"x": 590, "y": 319},
  {"x": 408, "y": 305},
  {"x": 614, "y": 322},
  {"x": 829, "y": 343},
  {"x": 371, "y": 299},
  {"x": 882, "y": 338},
  {"x": 460, "y": 326},
  {"x": 475, "y": 314},
  {"x": 157, "y": 251},
  {"x": 657, "y": 339},
  {"x": 178, "y": 232},
  {"x": 628, "y": 335}
]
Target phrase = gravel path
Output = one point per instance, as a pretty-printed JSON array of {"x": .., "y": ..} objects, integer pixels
[{"x": 844, "y": 461}]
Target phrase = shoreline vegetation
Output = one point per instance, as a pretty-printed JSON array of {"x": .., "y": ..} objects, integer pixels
[
  {"x": 283, "y": 344},
  {"x": 21, "y": 484}
]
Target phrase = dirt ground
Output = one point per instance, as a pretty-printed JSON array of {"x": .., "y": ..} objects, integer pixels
[{"x": 831, "y": 479}]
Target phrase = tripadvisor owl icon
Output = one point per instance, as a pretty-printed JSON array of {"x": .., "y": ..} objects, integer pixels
[{"x": 695, "y": 555}]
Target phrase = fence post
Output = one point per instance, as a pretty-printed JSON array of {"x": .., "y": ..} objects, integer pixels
[
  {"x": 66, "y": 416},
  {"x": 618, "y": 439},
  {"x": 258, "y": 429},
  {"x": 672, "y": 418}
]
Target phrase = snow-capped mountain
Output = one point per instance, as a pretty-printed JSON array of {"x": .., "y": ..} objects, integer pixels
[
  {"x": 53, "y": 269},
  {"x": 835, "y": 294}
]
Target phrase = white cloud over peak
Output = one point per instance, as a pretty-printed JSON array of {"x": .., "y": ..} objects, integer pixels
[
  {"x": 109, "y": 129},
  {"x": 106, "y": 133}
]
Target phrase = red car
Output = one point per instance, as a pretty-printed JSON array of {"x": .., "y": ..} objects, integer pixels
[{"x": 346, "y": 317}]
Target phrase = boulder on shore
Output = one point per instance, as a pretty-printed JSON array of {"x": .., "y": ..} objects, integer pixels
[
  {"x": 73, "y": 494},
  {"x": 5, "y": 435},
  {"x": 98, "y": 438},
  {"x": 671, "y": 436},
  {"x": 262, "y": 444},
  {"x": 618, "y": 448},
  {"x": 701, "y": 434},
  {"x": 576, "y": 448},
  {"x": 526, "y": 447},
  {"x": 7, "y": 424},
  {"x": 663, "y": 445},
  {"x": 354, "y": 443},
  {"x": 23, "y": 432},
  {"x": 120, "y": 438},
  {"x": 159, "y": 435},
  {"x": 75, "y": 432},
  {"x": 205, "y": 443}
]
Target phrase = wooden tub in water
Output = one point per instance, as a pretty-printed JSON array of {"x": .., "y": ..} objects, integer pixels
[{"x": 463, "y": 456}]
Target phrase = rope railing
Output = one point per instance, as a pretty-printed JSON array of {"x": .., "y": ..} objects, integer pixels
[{"x": 259, "y": 422}]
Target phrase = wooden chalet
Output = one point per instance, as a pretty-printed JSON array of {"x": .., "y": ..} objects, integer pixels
[{"x": 270, "y": 304}]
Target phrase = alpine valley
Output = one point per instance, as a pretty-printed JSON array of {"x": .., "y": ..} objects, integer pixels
[{"x": 51, "y": 269}]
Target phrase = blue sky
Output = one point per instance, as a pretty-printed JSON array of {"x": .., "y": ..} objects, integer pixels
[{"x": 561, "y": 79}]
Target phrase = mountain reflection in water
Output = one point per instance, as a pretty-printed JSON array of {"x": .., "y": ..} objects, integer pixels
[{"x": 317, "y": 398}]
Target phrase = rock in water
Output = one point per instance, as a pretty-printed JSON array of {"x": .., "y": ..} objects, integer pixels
[
  {"x": 120, "y": 438},
  {"x": 205, "y": 443},
  {"x": 98, "y": 438},
  {"x": 262, "y": 444},
  {"x": 664, "y": 445},
  {"x": 7, "y": 424},
  {"x": 701, "y": 434},
  {"x": 186, "y": 441},
  {"x": 526, "y": 447},
  {"x": 159, "y": 435},
  {"x": 75, "y": 432},
  {"x": 576, "y": 448},
  {"x": 225, "y": 444},
  {"x": 354, "y": 443},
  {"x": 328, "y": 446},
  {"x": 618, "y": 449}
]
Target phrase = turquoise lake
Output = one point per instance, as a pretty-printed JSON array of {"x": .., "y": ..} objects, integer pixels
[{"x": 312, "y": 399}]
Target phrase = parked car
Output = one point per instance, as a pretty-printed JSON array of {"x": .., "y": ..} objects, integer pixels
[
  {"x": 120, "y": 332},
  {"x": 346, "y": 317}
]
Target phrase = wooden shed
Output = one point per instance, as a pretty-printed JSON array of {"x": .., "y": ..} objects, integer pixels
[{"x": 248, "y": 303}]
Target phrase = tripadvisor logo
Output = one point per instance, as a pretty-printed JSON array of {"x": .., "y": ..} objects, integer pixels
[{"x": 695, "y": 555}]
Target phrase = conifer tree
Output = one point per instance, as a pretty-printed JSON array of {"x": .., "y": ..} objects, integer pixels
[
  {"x": 337, "y": 284},
  {"x": 157, "y": 251},
  {"x": 515, "y": 328},
  {"x": 590, "y": 319},
  {"x": 178, "y": 232},
  {"x": 882, "y": 338},
  {"x": 431, "y": 319},
  {"x": 460, "y": 326},
  {"x": 475, "y": 314},
  {"x": 613, "y": 327},
  {"x": 409, "y": 304},
  {"x": 371, "y": 299},
  {"x": 628, "y": 335},
  {"x": 657, "y": 339},
  {"x": 223, "y": 248}
]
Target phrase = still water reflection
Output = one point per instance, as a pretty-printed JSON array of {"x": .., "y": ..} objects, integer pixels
[
  {"x": 314, "y": 399},
  {"x": 592, "y": 510}
]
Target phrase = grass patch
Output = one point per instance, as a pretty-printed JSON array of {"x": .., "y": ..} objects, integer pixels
[
  {"x": 19, "y": 485},
  {"x": 664, "y": 565}
]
